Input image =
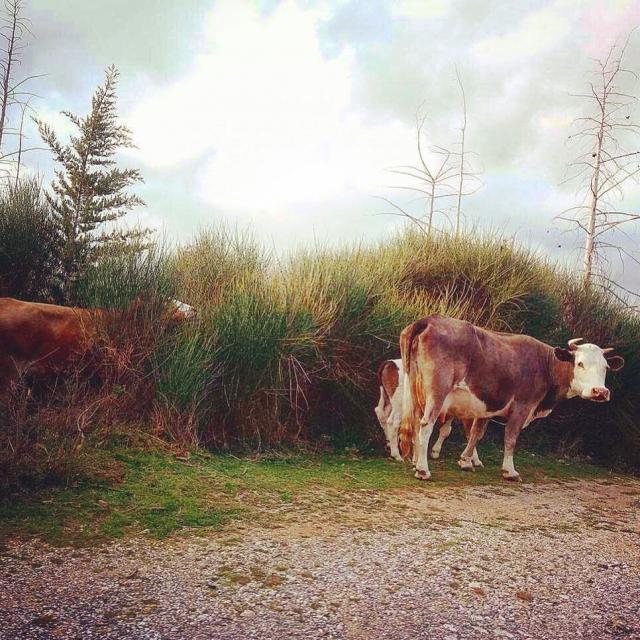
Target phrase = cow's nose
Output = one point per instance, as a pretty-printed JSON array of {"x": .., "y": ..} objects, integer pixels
[{"x": 600, "y": 394}]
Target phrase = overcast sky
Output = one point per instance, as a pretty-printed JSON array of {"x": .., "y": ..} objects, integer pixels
[{"x": 286, "y": 115}]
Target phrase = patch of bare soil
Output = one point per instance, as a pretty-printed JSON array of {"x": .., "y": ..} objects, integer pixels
[{"x": 525, "y": 561}]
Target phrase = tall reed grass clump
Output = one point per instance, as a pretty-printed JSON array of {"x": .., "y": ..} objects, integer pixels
[{"x": 284, "y": 350}]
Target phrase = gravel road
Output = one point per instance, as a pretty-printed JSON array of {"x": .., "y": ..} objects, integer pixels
[{"x": 540, "y": 561}]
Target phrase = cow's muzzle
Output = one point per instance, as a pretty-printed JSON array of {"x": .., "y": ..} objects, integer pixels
[{"x": 600, "y": 394}]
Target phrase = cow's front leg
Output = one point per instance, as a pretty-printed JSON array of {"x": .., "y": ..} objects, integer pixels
[
  {"x": 511, "y": 432},
  {"x": 482, "y": 429},
  {"x": 475, "y": 460},
  {"x": 394, "y": 427},
  {"x": 475, "y": 431},
  {"x": 380, "y": 411},
  {"x": 443, "y": 434}
]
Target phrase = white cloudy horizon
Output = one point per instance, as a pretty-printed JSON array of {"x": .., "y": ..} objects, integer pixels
[{"x": 285, "y": 115}]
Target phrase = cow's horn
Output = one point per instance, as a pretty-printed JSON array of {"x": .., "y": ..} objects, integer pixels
[
  {"x": 608, "y": 350},
  {"x": 573, "y": 343}
]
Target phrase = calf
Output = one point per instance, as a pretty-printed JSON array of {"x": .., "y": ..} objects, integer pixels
[
  {"x": 457, "y": 369},
  {"x": 391, "y": 378},
  {"x": 389, "y": 408}
]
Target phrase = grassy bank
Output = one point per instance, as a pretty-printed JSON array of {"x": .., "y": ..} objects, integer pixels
[
  {"x": 284, "y": 350},
  {"x": 157, "y": 494}
]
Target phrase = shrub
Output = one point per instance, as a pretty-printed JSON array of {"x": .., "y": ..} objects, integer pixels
[{"x": 30, "y": 246}]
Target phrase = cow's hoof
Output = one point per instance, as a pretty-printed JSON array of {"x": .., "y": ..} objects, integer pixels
[
  {"x": 477, "y": 464},
  {"x": 397, "y": 458},
  {"x": 434, "y": 455},
  {"x": 465, "y": 465},
  {"x": 511, "y": 477},
  {"x": 423, "y": 474}
]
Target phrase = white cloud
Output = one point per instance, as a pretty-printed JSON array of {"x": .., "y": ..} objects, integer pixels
[
  {"x": 270, "y": 118},
  {"x": 56, "y": 120},
  {"x": 420, "y": 8},
  {"x": 537, "y": 32},
  {"x": 555, "y": 122},
  {"x": 285, "y": 118}
]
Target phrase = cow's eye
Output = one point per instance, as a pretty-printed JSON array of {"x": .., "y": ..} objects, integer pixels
[{"x": 581, "y": 365}]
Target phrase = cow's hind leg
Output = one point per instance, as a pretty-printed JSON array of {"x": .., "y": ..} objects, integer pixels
[
  {"x": 443, "y": 434},
  {"x": 422, "y": 444},
  {"x": 439, "y": 389},
  {"x": 474, "y": 430}
]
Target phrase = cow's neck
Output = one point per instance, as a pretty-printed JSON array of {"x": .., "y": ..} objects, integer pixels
[{"x": 562, "y": 377}]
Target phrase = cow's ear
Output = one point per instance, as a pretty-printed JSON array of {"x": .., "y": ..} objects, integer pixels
[
  {"x": 564, "y": 354},
  {"x": 615, "y": 363}
]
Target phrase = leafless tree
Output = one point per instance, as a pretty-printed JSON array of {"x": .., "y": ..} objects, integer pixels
[
  {"x": 440, "y": 175},
  {"x": 431, "y": 178},
  {"x": 609, "y": 157},
  {"x": 468, "y": 176},
  {"x": 14, "y": 27}
]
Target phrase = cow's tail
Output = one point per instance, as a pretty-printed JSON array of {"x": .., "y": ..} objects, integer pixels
[{"x": 408, "y": 346}]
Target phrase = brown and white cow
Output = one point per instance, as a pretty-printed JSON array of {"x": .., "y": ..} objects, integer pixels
[
  {"x": 47, "y": 338},
  {"x": 392, "y": 379},
  {"x": 457, "y": 369}
]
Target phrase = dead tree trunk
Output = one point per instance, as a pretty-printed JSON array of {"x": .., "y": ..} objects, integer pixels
[
  {"x": 589, "y": 247},
  {"x": 468, "y": 177},
  {"x": 13, "y": 8},
  {"x": 463, "y": 132}
]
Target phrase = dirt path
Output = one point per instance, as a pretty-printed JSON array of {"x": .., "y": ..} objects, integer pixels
[{"x": 533, "y": 561}]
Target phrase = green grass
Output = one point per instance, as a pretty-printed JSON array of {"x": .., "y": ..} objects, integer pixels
[
  {"x": 284, "y": 349},
  {"x": 160, "y": 495}
]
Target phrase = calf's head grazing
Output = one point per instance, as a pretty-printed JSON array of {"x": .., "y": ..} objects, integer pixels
[
  {"x": 181, "y": 311},
  {"x": 590, "y": 365}
]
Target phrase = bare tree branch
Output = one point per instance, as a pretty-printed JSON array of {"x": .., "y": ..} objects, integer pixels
[
  {"x": 466, "y": 172},
  {"x": 12, "y": 31},
  {"x": 440, "y": 173},
  {"x": 607, "y": 161}
]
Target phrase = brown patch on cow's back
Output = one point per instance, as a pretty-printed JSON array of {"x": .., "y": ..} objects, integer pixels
[{"x": 389, "y": 377}]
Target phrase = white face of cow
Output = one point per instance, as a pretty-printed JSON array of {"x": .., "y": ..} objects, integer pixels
[
  {"x": 590, "y": 370},
  {"x": 184, "y": 309},
  {"x": 589, "y": 373}
]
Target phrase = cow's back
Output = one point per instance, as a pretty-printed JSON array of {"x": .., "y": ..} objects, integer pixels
[
  {"x": 390, "y": 374},
  {"x": 44, "y": 334},
  {"x": 495, "y": 366}
]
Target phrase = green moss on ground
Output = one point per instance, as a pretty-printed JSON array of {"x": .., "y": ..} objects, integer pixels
[{"x": 159, "y": 495}]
